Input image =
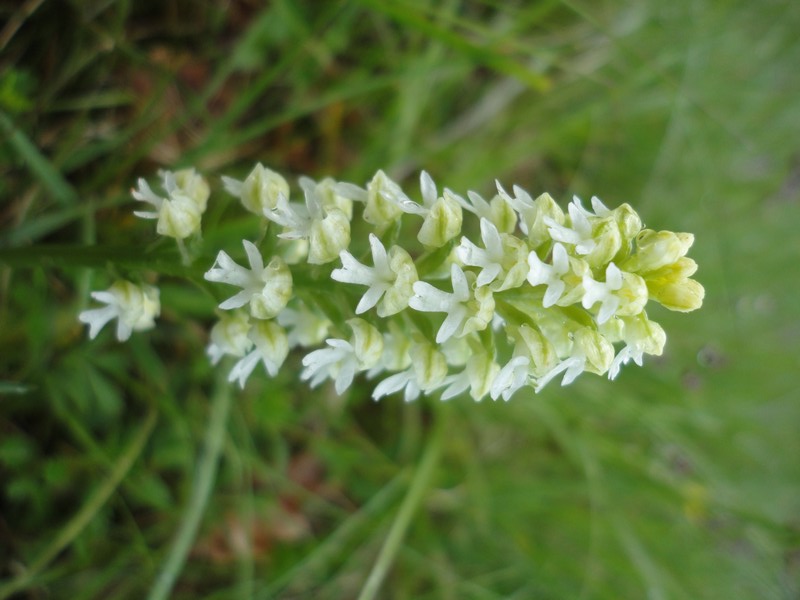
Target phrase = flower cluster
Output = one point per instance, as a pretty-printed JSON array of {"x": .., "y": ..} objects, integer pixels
[{"x": 494, "y": 295}]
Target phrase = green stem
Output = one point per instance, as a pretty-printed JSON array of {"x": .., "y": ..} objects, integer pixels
[
  {"x": 84, "y": 516},
  {"x": 201, "y": 491},
  {"x": 419, "y": 485}
]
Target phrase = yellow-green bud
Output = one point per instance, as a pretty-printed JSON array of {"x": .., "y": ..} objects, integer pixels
[
  {"x": 179, "y": 217},
  {"x": 430, "y": 365},
  {"x": 515, "y": 263},
  {"x": 442, "y": 223},
  {"x": 538, "y": 232},
  {"x": 644, "y": 334},
  {"x": 481, "y": 372},
  {"x": 656, "y": 249},
  {"x": 683, "y": 295},
  {"x": 608, "y": 242},
  {"x": 632, "y": 295},
  {"x": 503, "y": 215},
  {"x": 277, "y": 290},
  {"x": 272, "y": 344},
  {"x": 573, "y": 281},
  {"x": 597, "y": 349},
  {"x": 396, "y": 297},
  {"x": 229, "y": 335},
  {"x": 480, "y": 308},
  {"x": 261, "y": 188},
  {"x": 331, "y": 199},
  {"x": 193, "y": 185},
  {"x": 367, "y": 343},
  {"x": 537, "y": 348},
  {"x": 379, "y": 211},
  {"x": 328, "y": 237},
  {"x": 628, "y": 221}
]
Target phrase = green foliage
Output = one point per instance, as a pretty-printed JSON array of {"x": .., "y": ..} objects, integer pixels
[{"x": 678, "y": 480}]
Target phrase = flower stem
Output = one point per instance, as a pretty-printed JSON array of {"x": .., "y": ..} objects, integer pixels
[
  {"x": 419, "y": 485},
  {"x": 201, "y": 491}
]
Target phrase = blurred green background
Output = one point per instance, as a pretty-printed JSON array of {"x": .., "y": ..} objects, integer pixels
[{"x": 678, "y": 480}]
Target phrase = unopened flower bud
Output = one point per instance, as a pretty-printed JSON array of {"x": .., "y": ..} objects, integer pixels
[
  {"x": 544, "y": 207},
  {"x": 367, "y": 343},
  {"x": 260, "y": 190},
  {"x": 608, "y": 242},
  {"x": 597, "y": 349},
  {"x": 194, "y": 185},
  {"x": 179, "y": 217},
  {"x": 503, "y": 215},
  {"x": 380, "y": 211},
  {"x": 397, "y": 296},
  {"x": 481, "y": 371},
  {"x": 271, "y": 343},
  {"x": 277, "y": 290},
  {"x": 442, "y": 223},
  {"x": 656, "y": 249},
  {"x": 532, "y": 344},
  {"x": 330, "y": 198},
  {"x": 328, "y": 237},
  {"x": 430, "y": 365},
  {"x": 683, "y": 295},
  {"x": 229, "y": 336}
]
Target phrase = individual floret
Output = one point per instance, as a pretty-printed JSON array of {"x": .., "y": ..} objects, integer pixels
[{"x": 134, "y": 306}]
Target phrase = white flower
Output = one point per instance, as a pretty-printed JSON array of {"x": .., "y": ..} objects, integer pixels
[
  {"x": 443, "y": 216},
  {"x": 327, "y": 228},
  {"x": 490, "y": 260},
  {"x": 550, "y": 275},
  {"x": 579, "y": 234},
  {"x": 343, "y": 359},
  {"x": 511, "y": 378},
  {"x": 603, "y": 292},
  {"x": 135, "y": 308},
  {"x": 229, "y": 336},
  {"x": 265, "y": 289},
  {"x": 178, "y": 214},
  {"x": 521, "y": 202},
  {"x": 260, "y": 190},
  {"x": 463, "y": 314},
  {"x": 600, "y": 209},
  {"x": 338, "y": 361},
  {"x": 571, "y": 367},
  {"x": 271, "y": 349},
  {"x": 590, "y": 351},
  {"x": 393, "y": 270},
  {"x": 623, "y": 357},
  {"x": 479, "y": 375},
  {"x": 295, "y": 218},
  {"x": 404, "y": 380},
  {"x": 427, "y": 373},
  {"x": 305, "y": 327},
  {"x": 499, "y": 211}
]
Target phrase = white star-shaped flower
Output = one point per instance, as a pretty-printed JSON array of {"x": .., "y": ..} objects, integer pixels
[
  {"x": 623, "y": 357},
  {"x": 571, "y": 367},
  {"x": 489, "y": 259},
  {"x": 338, "y": 362},
  {"x": 603, "y": 292},
  {"x": 430, "y": 299},
  {"x": 541, "y": 273},
  {"x": 135, "y": 308},
  {"x": 579, "y": 234},
  {"x": 378, "y": 279},
  {"x": 271, "y": 349},
  {"x": 266, "y": 289},
  {"x": 511, "y": 378}
]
